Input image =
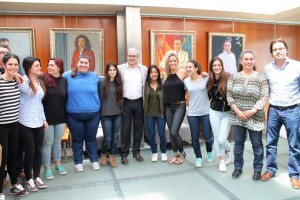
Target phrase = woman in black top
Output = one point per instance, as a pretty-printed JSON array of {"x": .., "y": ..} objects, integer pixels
[
  {"x": 219, "y": 110},
  {"x": 174, "y": 100},
  {"x": 55, "y": 112}
]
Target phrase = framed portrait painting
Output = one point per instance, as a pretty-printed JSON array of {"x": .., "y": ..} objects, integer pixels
[
  {"x": 68, "y": 44},
  {"x": 164, "y": 42},
  {"x": 227, "y": 46},
  {"x": 16, "y": 37}
]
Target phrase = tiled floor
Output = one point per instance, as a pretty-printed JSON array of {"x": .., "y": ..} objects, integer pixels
[{"x": 162, "y": 181}]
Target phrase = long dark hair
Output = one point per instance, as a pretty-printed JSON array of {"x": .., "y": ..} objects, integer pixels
[
  {"x": 75, "y": 70},
  {"x": 222, "y": 81},
  {"x": 50, "y": 80},
  {"x": 117, "y": 82},
  {"x": 148, "y": 79},
  {"x": 87, "y": 44},
  {"x": 27, "y": 64}
]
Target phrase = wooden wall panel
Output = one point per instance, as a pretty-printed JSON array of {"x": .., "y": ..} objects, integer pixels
[
  {"x": 258, "y": 36},
  {"x": 42, "y": 24}
]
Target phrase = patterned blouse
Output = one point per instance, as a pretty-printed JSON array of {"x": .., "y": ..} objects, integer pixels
[{"x": 247, "y": 93}]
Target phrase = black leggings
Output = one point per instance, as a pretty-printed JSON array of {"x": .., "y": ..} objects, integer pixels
[
  {"x": 32, "y": 141},
  {"x": 9, "y": 141}
]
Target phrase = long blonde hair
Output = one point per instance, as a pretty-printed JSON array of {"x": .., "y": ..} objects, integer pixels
[{"x": 167, "y": 68}]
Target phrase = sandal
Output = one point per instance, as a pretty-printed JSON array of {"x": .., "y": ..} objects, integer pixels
[
  {"x": 174, "y": 159},
  {"x": 180, "y": 158}
]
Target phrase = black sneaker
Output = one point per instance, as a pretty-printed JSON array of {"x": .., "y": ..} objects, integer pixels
[{"x": 18, "y": 190}]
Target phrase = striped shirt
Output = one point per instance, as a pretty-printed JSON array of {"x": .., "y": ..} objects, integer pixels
[{"x": 9, "y": 101}]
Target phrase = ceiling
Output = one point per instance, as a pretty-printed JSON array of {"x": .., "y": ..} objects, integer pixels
[{"x": 260, "y": 13}]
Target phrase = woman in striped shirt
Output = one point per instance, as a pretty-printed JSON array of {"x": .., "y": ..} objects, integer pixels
[{"x": 9, "y": 128}]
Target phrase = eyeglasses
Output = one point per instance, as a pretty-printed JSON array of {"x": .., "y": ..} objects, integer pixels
[
  {"x": 279, "y": 49},
  {"x": 4, "y": 52},
  {"x": 132, "y": 56}
]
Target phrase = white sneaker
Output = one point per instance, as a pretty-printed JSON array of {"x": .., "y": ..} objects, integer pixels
[
  {"x": 227, "y": 158},
  {"x": 95, "y": 165},
  {"x": 2, "y": 196},
  {"x": 164, "y": 157},
  {"x": 31, "y": 186},
  {"x": 154, "y": 157},
  {"x": 79, "y": 167},
  {"x": 39, "y": 183},
  {"x": 222, "y": 166}
]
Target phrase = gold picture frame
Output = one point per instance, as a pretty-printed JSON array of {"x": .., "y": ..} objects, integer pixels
[
  {"x": 163, "y": 42},
  {"x": 63, "y": 45},
  {"x": 217, "y": 41},
  {"x": 20, "y": 40}
]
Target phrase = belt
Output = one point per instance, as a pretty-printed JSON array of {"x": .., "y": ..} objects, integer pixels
[
  {"x": 133, "y": 99},
  {"x": 284, "y": 107}
]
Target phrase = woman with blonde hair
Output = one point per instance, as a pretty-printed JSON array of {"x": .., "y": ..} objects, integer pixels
[{"x": 175, "y": 106}]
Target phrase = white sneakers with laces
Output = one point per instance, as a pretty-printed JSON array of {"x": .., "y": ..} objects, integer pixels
[
  {"x": 222, "y": 166},
  {"x": 95, "y": 165},
  {"x": 164, "y": 157},
  {"x": 79, "y": 167},
  {"x": 154, "y": 157}
]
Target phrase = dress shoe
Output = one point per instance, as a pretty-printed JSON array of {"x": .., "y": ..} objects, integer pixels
[
  {"x": 236, "y": 173},
  {"x": 266, "y": 176},
  {"x": 256, "y": 175},
  {"x": 138, "y": 157},
  {"x": 124, "y": 160},
  {"x": 295, "y": 183}
]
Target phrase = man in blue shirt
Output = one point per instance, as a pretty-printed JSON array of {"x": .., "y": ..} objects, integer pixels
[{"x": 283, "y": 75}]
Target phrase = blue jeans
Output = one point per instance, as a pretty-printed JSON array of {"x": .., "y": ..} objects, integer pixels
[
  {"x": 290, "y": 118},
  {"x": 52, "y": 142},
  {"x": 257, "y": 146},
  {"x": 174, "y": 116},
  {"x": 111, "y": 126},
  {"x": 160, "y": 122},
  {"x": 194, "y": 122},
  {"x": 84, "y": 127}
]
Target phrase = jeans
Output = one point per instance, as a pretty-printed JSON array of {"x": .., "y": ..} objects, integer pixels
[
  {"x": 52, "y": 142},
  {"x": 220, "y": 128},
  {"x": 174, "y": 116},
  {"x": 111, "y": 126},
  {"x": 132, "y": 109},
  {"x": 32, "y": 141},
  {"x": 290, "y": 118},
  {"x": 160, "y": 122},
  {"x": 194, "y": 122},
  {"x": 257, "y": 146},
  {"x": 84, "y": 127}
]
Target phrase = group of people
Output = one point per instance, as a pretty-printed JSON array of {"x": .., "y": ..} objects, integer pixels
[{"x": 36, "y": 109}]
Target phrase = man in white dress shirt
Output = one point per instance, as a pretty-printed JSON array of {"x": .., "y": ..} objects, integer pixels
[
  {"x": 133, "y": 75},
  {"x": 228, "y": 57}
]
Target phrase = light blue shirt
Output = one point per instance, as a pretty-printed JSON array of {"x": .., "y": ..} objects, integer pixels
[
  {"x": 284, "y": 83},
  {"x": 198, "y": 97},
  {"x": 31, "y": 108}
]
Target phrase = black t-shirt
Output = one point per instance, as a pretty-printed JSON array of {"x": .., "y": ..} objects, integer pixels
[{"x": 55, "y": 102}]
